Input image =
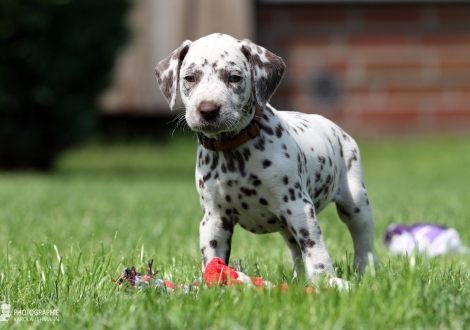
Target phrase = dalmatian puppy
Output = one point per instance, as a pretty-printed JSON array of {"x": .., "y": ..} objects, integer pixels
[{"x": 265, "y": 170}]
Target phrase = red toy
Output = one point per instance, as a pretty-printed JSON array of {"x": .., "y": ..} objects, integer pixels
[{"x": 216, "y": 273}]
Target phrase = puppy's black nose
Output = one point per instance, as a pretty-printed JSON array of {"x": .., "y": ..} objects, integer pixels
[{"x": 208, "y": 110}]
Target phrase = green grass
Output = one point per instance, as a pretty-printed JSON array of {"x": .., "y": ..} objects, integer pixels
[{"x": 64, "y": 236}]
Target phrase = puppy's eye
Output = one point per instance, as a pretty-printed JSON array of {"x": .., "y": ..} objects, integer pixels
[
  {"x": 189, "y": 79},
  {"x": 234, "y": 78}
]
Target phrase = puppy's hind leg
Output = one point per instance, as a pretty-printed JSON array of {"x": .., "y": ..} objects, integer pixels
[{"x": 354, "y": 209}]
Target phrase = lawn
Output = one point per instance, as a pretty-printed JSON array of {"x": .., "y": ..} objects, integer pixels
[{"x": 65, "y": 235}]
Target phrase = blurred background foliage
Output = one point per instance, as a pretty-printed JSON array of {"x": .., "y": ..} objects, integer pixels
[{"x": 55, "y": 58}]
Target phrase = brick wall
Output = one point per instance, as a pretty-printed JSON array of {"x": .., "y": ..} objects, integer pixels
[{"x": 373, "y": 69}]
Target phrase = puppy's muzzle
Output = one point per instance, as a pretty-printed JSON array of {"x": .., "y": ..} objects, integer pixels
[{"x": 209, "y": 111}]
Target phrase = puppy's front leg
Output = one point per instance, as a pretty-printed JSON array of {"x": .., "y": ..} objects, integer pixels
[
  {"x": 300, "y": 218},
  {"x": 294, "y": 248},
  {"x": 215, "y": 238}
]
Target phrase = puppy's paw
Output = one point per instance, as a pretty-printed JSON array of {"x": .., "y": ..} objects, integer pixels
[{"x": 340, "y": 284}]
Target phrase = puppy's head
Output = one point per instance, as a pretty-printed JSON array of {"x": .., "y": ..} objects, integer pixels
[{"x": 221, "y": 80}]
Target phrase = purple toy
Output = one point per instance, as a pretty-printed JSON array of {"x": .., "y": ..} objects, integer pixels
[{"x": 426, "y": 238}]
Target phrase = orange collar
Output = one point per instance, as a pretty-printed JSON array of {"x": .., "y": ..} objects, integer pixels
[{"x": 249, "y": 132}]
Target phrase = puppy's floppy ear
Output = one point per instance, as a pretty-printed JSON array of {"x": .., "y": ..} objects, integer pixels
[
  {"x": 267, "y": 70},
  {"x": 168, "y": 70}
]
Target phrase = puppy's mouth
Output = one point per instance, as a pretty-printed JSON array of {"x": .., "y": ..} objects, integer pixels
[
  {"x": 223, "y": 126},
  {"x": 215, "y": 127},
  {"x": 210, "y": 129}
]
